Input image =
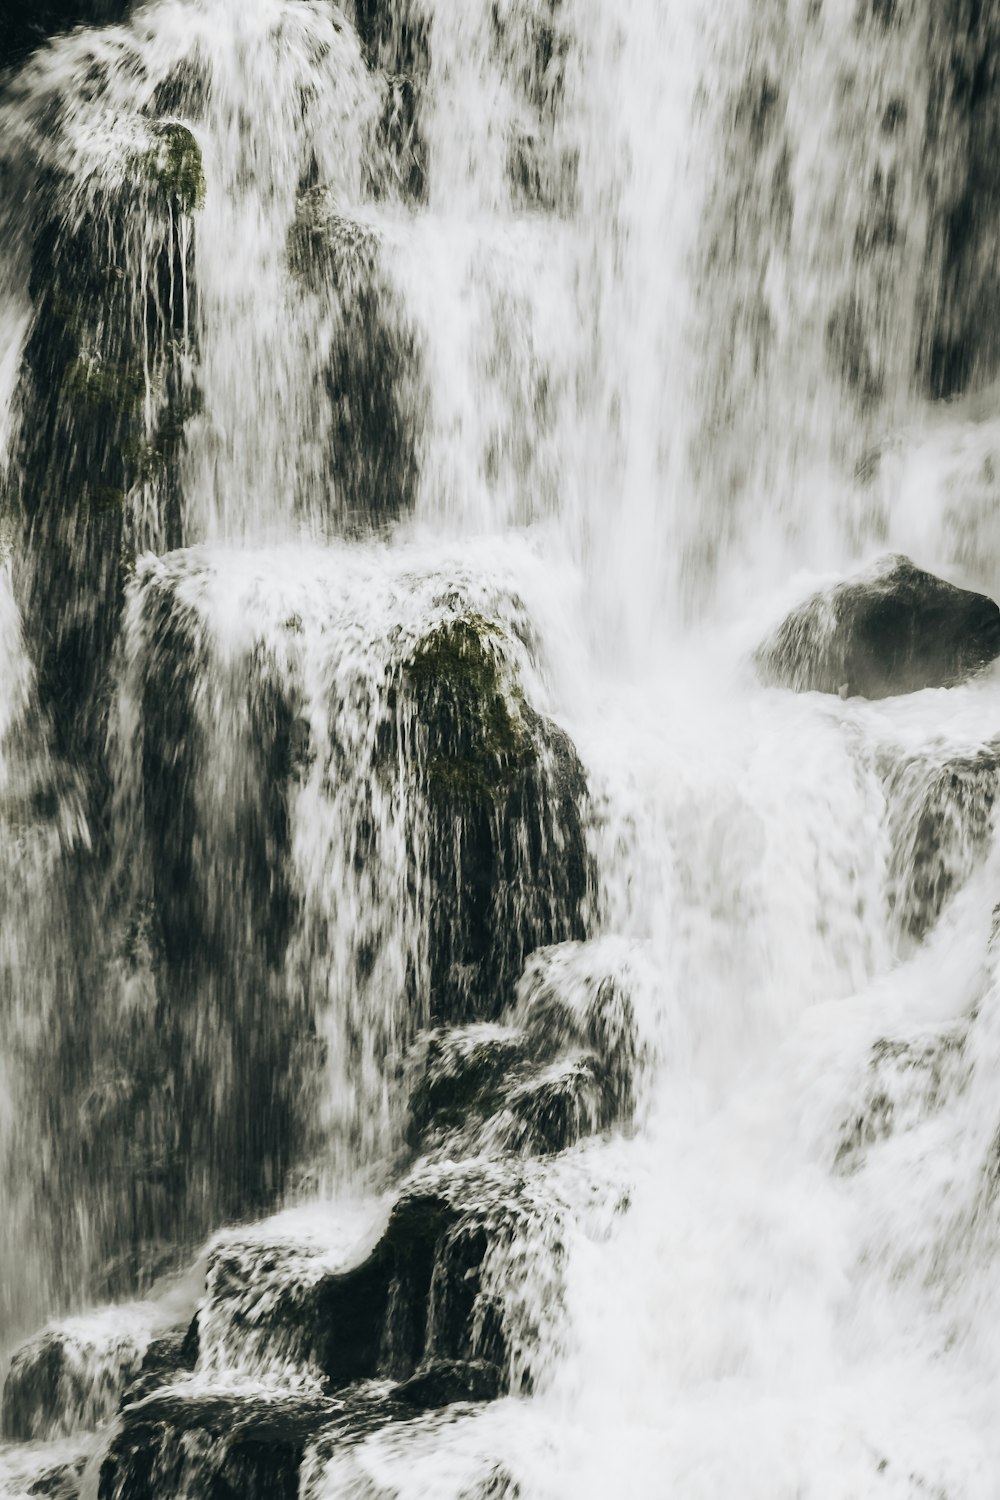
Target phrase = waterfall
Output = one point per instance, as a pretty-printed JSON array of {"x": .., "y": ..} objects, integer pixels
[{"x": 498, "y": 942}]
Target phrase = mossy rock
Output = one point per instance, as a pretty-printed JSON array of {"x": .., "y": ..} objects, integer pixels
[
  {"x": 174, "y": 164},
  {"x": 507, "y": 798},
  {"x": 478, "y": 738}
]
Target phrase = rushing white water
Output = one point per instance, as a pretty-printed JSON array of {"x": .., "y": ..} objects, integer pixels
[{"x": 644, "y": 349}]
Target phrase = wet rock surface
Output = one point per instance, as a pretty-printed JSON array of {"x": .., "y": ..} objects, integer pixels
[
  {"x": 105, "y": 398},
  {"x": 70, "y": 1377},
  {"x": 893, "y": 630},
  {"x": 941, "y": 821},
  {"x": 429, "y": 1300},
  {"x": 374, "y": 379},
  {"x": 178, "y": 1443},
  {"x": 907, "y": 1080},
  {"x": 27, "y": 24},
  {"x": 507, "y": 797},
  {"x": 561, "y": 1067}
]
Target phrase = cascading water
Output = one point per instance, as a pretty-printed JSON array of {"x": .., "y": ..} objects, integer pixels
[{"x": 420, "y": 880}]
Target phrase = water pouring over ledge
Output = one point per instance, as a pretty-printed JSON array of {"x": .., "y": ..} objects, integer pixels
[{"x": 575, "y": 1053}]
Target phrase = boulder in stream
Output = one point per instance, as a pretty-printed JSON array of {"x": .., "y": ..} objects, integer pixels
[{"x": 893, "y": 629}]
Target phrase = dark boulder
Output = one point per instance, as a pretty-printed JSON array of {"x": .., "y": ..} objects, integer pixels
[
  {"x": 562, "y": 1068},
  {"x": 184, "y": 1443},
  {"x": 168, "y": 1358},
  {"x": 557, "y": 1106},
  {"x": 463, "y": 1072},
  {"x": 894, "y": 629},
  {"x": 206, "y": 1116},
  {"x": 104, "y": 395}
]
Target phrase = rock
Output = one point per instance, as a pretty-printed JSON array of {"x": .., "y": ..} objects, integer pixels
[
  {"x": 210, "y": 884},
  {"x": 61, "y": 1482},
  {"x": 463, "y": 1071},
  {"x": 374, "y": 377},
  {"x": 71, "y": 1376},
  {"x": 395, "y": 37},
  {"x": 534, "y": 46},
  {"x": 398, "y": 156},
  {"x": 185, "y": 1443},
  {"x": 174, "y": 164},
  {"x": 940, "y": 825},
  {"x": 180, "y": 1443},
  {"x": 105, "y": 395},
  {"x": 508, "y": 798},
  {"x": 447, "y": 1280},
  {"x": 907, "y": 1080},
  {"x": 499, "y": 1484},
  {"x": 167, "y": 1358},
  {"x": 51, "y": 1472},
  {"x": 557, "y": 1107},
  {"x": 960, "y": 346},
  {"x": 267, "y": 1312},
  {"x": 562, "y": 1067},
  {"x": 894, "y": 629},
  {"x": 445, "y": 1381},
  {"x": 582, "y": 998},
  {"x": 372, "y": 722}
]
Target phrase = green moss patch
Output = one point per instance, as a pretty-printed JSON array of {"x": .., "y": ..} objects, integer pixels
[
  {"x": 478, "y": 740},
  {"x": 175, "y": 165}
]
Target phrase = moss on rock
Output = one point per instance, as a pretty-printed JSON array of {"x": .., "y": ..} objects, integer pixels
[
  {"x": 506, "y": 797},
  {"x": 174, "y": 163},
  {"x": 478, "y": 739}
]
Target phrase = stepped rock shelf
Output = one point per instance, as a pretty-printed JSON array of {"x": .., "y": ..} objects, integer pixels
[{"x": 437, "y": 1312}]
